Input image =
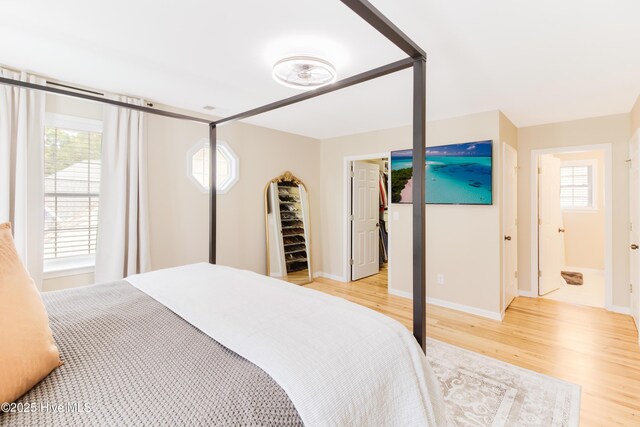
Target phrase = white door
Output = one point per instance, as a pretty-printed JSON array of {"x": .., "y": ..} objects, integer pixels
[
  {"x": 550, "y": 256},
  {"x": 365, "y": 210},
  {"x": 634, "y": 234},
  {"x": 510, "y": 224}
]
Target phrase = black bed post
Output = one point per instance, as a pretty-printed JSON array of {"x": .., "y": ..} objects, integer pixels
[
  {"x": 419, "y": 227},
  {"x": 416, "y": 59},
  {"x": 213, "y": 152}
]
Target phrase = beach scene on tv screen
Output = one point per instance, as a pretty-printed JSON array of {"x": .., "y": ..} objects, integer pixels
[{"x": 455, "y": 174}]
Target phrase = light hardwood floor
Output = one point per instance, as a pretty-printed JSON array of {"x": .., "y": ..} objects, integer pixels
[{"x": 584, "y": 345}]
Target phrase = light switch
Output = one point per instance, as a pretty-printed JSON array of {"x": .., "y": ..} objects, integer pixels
[{"x": 396, "y": 215}]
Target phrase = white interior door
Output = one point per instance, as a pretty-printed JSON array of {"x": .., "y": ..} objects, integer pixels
[
  {"x": 365, "y": 211},
  {"x": 634, "y": 234},
  {"x": 510, "y": 224},
  {"x": 550, "y": 255}
]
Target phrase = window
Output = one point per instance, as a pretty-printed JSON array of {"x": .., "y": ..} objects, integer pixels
[
  {"x": 71, "y": 191},
  {"x": 227, "y": 166},
  {"x": 576, "y": 186}
]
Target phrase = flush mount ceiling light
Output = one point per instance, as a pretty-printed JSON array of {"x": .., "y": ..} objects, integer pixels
[{"x": 304, "y": 72}]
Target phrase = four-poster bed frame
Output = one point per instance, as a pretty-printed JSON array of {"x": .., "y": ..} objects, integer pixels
[{"x": 416, "y": 60}]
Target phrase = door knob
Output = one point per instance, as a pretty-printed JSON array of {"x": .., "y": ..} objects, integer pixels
[
  {"x": 377, "y": 224},
  {"x": 560, "y": 230},
  {"x": 507, "y": 237},
  {"x": 634, "y": 246}
]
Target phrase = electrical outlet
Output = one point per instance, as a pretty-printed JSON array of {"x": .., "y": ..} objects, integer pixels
[{"x": 440, "y": 279}]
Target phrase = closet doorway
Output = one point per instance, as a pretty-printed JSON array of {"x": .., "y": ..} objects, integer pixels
[
  {"x": 573, "y": 230},
  {"x": 367, "y": 183}
]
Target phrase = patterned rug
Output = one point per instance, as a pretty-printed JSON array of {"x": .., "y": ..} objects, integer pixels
[{"x": 481, "y": 391}]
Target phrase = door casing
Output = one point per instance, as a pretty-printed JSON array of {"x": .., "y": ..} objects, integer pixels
[
  {"x": 365, "y": 219},
  {"x": 509, "y": 276},
  {"x": 549, "y": 219},
  {"x": 634, "y": 232},
  {"x": 346, "y": 235},
  {"x": 608, "y": 241}
]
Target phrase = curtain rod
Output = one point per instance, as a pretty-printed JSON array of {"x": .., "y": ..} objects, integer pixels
[
  {"x": 50, "y": 83},
  {"x": 89, "y": 97},
  {"x": 340, "y": 84}
]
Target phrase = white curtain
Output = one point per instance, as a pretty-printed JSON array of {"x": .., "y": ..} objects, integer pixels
[
  {"x": 123, "y": 229},
  {"x": 22, "y": 168}
]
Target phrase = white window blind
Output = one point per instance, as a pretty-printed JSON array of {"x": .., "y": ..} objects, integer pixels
[
  {"x": 576, "y": 187},
  {"x": 72, "y": 192}
]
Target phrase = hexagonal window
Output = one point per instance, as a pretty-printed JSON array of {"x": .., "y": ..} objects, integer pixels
[{"x": 227, "y": 166}]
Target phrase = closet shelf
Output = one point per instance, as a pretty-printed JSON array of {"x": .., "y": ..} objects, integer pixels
[
  {"x": 296, "y": 251},
  {"x": 291, "y": 205}
]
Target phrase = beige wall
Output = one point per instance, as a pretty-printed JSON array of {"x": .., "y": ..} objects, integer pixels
[
  {"x": 584, "y": 236},
  {"x": 635, "y": 116},
  {"x": 179, "y": 209},
  {"x": 67, "y": 281},
  {"x": 612, "y": 130},
  {"x": 73, "y": 107},
  {"x": 456, "y": 235},
  {"x": 508, "y": 131}
]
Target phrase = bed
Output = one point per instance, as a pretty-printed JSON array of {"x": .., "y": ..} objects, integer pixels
[{"x": 211, "y": 345}]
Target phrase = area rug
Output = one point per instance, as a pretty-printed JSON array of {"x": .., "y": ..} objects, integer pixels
[
  {"x": 481, "y": 391},
  {"x": 572, "y": 277}
]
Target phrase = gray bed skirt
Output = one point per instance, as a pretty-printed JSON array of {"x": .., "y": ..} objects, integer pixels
[{"x": 128, "y": 360}]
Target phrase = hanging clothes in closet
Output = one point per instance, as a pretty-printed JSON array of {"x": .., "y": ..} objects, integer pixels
[{"x": 384, "y": 206}]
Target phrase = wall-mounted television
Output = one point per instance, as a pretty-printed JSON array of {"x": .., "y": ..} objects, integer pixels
[{"x": 457, "y": 174}]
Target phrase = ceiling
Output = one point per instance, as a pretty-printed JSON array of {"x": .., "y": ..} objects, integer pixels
[{"x": 539, "y": 62}]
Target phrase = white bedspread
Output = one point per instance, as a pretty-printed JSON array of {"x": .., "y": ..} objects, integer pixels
[{"x": 341, "y": 364}]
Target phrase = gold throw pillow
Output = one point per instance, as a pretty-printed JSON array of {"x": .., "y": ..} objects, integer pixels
[{"x": 27, "y": 350}]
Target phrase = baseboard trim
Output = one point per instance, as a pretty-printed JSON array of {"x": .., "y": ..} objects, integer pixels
[
  {"x": 619, "y": 309},
  {"x": 398, "y": 293},
  {"x": 330, "y": 276},
  {"x": 613, "y": 308},
  {"x": 452, "y": 305},
  {"x": 586, "y": 270},
  {"x": 523, "y": 293},
  {"x": 493, "y": 315}
]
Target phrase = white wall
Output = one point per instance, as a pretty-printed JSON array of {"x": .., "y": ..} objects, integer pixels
[
  {"x": 584, "y": 236},
  {"x": 599, "y": 130},
  {"x": 456, "y": 235}
]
